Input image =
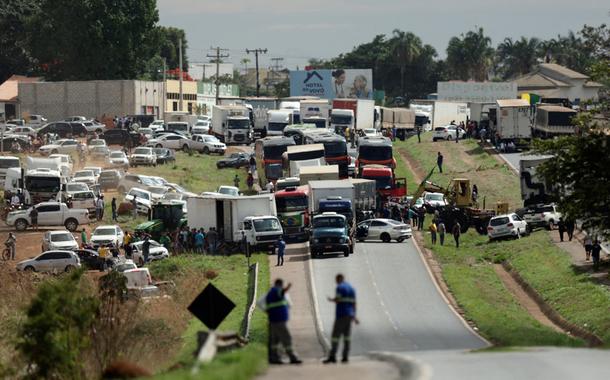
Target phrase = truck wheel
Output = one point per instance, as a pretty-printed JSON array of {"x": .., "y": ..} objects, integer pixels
[
  {"x": 385, "y": 237},
  {"x": 21, "y": 224},
  {"x": 71, "y": 224},
  {"x": 69, "y": 268},
  {"x": 185, "y": 148},
  {"x": 206, "y": 150}
]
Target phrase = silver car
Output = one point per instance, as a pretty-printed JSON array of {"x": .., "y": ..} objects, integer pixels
[
  {"x": 385, "y": 230},
  {"x": 51, "y": 261},
  {"x": 62, "y": 240}
]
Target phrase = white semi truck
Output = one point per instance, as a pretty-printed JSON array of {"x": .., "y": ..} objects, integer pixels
[
  {"x": 231, "y": 124},
  {"x": 315, "y": 112},
  {"x": 278, "y": 120},
  {"x": 352, "y": 114}
]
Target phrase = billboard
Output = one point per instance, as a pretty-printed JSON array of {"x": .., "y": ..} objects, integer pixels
[
  {"x": 331, "y": 84},
  {"x": 480, "y": 92}
]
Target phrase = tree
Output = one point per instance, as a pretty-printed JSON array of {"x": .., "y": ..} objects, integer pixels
[
  {"x": 95, "y": 39},
  {"x": 405, "y": 47},
  {"x": 14, "y": 54},
  {"x": 169, "y": 46},
  {"x": 245, "y": 62},
  {"x": 470, "y": 56},
  {"x": 282, "y": 89},
  {"x": 517, "y": 58}
]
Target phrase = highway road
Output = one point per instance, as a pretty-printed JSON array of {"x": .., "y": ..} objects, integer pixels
[{"x": 399, "y": 306}]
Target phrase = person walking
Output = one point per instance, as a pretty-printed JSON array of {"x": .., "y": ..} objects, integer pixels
[
  {"x": 252, "y": 164},
  {"x": 281, "y": 249},
  {"x": 100, "y": 206},
  {"x": 570, "y": 225},
  {"x": 236, "y": 180},
  {"x": 269, "y": 186},
  {"x": 596, "y": 250},
  {"x": 441, "y": 229},
  {"x": 11, "y": 244},
  {"x": 34, "y": 218},
  {"x": 439, "y": 161},
  {"x": 421, "y": 217},
  {"x": 345, "y": 313},
  {"x": 433, "y": 228},
  {"x": 457, "y": 231},
  {"x": 127, "y": 238},
  {"x": 83, "y": 238},
  {"x": 588, "y": 243},
  {"x": 561, "y": 226},
  {"x": 276, "y": 304},
  {"x": 113, "y": 207}
]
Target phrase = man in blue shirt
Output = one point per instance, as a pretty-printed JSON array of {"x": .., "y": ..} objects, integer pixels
[
  {"x": 281, "y": 249},
  {"x": 345, "y": 298}
]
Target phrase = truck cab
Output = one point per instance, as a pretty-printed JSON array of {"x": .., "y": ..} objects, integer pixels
[
  {"x": 292, "y": 206},
  {"x": 375, "y": 151},
  {"x": 340, "y": 120},
  {"x": 261, "y": 231},
  {"x": 385, "y": 182},
  {"x": 330, "y": 233},
  {"x": 339, "y": 206},
  {"x": 278, "y": 120}
]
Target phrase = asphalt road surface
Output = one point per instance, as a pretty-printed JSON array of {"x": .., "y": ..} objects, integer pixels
[{"x": 398, "y": 304}]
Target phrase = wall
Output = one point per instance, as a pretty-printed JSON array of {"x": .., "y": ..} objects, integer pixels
[{"x": 189, "y": 96}]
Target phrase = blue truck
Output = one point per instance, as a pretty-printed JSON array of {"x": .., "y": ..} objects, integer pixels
[{"x": 330, "y": 233}]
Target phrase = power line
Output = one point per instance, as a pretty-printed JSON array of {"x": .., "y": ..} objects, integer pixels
[
  {"x": 217, "y": 57},
  {"x": 256, "y": 53}
]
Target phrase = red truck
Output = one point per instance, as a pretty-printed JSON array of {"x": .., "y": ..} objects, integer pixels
[
  {"x": 292, "y": 206},
  {"x": 388, "y": 186},
  {"x": 375, "y": 151}
]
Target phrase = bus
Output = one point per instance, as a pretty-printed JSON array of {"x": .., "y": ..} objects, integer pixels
[{"x": 269, "y": 152}]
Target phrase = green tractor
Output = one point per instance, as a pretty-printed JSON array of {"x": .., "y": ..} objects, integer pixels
[{"x": 166, "y": 216}]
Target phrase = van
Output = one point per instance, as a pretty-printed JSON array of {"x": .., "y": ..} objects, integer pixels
[
  {"x": 84, "y": 200},
  {"x": 181, "y": 127}
]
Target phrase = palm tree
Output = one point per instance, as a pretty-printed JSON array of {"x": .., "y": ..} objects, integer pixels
[
  {"x": 518, "y": 57},
  {"x": 470, "y": 56},
  {"x": 405, "y": 47},
  {"x": 245, "y": 62}
]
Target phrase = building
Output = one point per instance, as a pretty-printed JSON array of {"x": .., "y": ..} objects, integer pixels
[
  {"x": 206, "y": 95},
  {"x": 550, "y": 80},
  {"x": 101, "y": 99},
  {"x": 9, "y": 96},
  {"x": 189, "y": 96},
  {"x": 201, "y": 71}
]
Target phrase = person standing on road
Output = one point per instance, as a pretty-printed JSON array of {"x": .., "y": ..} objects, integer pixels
[
  {"x": 281, "y": 249},
  {"x": 34, "y": 218},
  {"x": 113, "y": 207},
  {"x": 439, "y": 161},
  {"x": 199, "y": 241},
  {"x": 588, "y": 243},
  {"x": 277, "y": 305},
  {"x": 345, "y": 298},
  {"x": 561, "y": 226},
  {"x": 440, "y": 227},
  {"x": 457, "y": 231},
  {"x": 250, "y": 181},
  {"x": 433, "y": 228},
  {"x": 596, "y": 250},
  {"x": 570, "y": 225}
]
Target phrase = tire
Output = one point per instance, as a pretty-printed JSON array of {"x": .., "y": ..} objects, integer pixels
[
  {"x": 21, "y": 224},
  {"x": 29, "y": 268},
  {"x": 71, "y": 224},
  {"x": 434, "y": 139},
  {"x": 346, "y": 253},
  {"x": 185, "y": 148},
  {"x": 69, "y": 268},
  {"x": 400, "y": 240},
  {"x": 206, "y": 150},
  {"x": 158, "y": 146},
  {"x": 54, "y": 151},
  {"x": 220, "y": 165},
  {"x": 385, "y": 237},
  {"x": 98, "y": 131},
  {"x": 449, "y": 138},
  {"x": 361, "y": 240},
  {"x": 518, "y": 234}
]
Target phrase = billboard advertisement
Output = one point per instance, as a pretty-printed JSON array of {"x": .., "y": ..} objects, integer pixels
[
  {"x": 480, "y": 92},
  {"x": 331, "y": 84}
]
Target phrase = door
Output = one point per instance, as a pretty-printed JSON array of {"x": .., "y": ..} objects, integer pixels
[
  {"x": 173, "y": 142},
  {"x": 376, "y": 229},
  {"x": 43, "y": 262},
  {"x": 49, "y": 215}
]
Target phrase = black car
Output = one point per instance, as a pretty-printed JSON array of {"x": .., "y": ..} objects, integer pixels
[
  {"x": 109, "y": 179},
  {"x": 143, "y": 120},
  {"x": 235, "y": 160},
  {"x": 64, "y": 129},
  {"x": 164, "y": 155},
  {"x": 91, "y": 260},
  {"x": 7, "y": 143},
  {"x": 120, "y": 137}
]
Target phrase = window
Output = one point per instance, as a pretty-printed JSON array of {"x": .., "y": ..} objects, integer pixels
[
  {"x": 63, "y": 255},
  {"x": 377, "y": 223},
  {"x": 175, "y": 106},
  {"x": 46, "y": 256},
  {"x": 48, "y": 208}
]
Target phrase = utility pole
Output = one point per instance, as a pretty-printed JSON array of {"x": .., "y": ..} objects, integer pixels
[
  {"x": 275, "y": 69},
  {"x": 256, "y": 53},
  {"x": 180, "y": 73},
  {"x": 217, "y": 57},
  {"x": 164, "y": 86}
]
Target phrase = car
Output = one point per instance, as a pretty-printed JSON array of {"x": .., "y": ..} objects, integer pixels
[
  {"x": 85, "y": 176},
  {"x": 382, "y": 229},
  {"x": 61, "y": 240},
  {"x": 64, "y": 146},
  {"x": 109, "y": 179},
  {"x": 143, "y": 156},
  {"x": 164, "y": 155},
  {"x": 207, "y": 144},
  {"x": 508, "y": 225},
  {"x": 170, "y": 141},
  {"x": 235, "y": 160},
  {"x": 156, "y": 181},
  {"x": 49, "y": 214},
  {"x": 448, "y": 132},
  {"x": 96, "y": 142},
  {"x": 65, "y": 159},
  {"x": 155, "y": 252},
  {"x": 75, "y": 187},
  {"x": 175, "y": 196},
  {"x": 8, "y": 140},
  {"x": 17, "y": 122},
  {"x": 228, "y": 190},
  {"x": 51, "y": 261},
  {"x": 37, "y": 120},
  {"x": 157, "y": 192},
  {"x": 134, "y": 180},
  {"x": 75, "y": 118},
  {"x": 96, "y": 170},
  {"x": 201, "y": 127},
  {"x": 107, "y": 234},
  {"x": 63, "y": 129},
  {"x": 125, "y": 265},
  {"x": 121, "y": 137},
  {"x": 99, "y": 152},
  {"x": 546, "y": 216},
  {"x": 85, "y": 200},
  {"x": 144, "y": 199},
  {"x": 24, "y": 131},
  {"x": 118, "y": 159},
  {"x": 434, "y": 201},
  {"x": 179, "y": 189},
  {"x": 147, "y": 132},
  {"x": 91, "y": 260},
  {"x": 93, "y": 126},
  {"x": 157, "y": 125}
]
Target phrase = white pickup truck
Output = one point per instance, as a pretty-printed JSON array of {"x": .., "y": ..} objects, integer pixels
[{"x": 49, "y": 214}]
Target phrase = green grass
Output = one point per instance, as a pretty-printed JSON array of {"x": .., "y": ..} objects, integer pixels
[{"x": 239, "y": 364}]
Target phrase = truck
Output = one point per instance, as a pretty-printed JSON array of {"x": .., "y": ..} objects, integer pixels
[
  {"x": 176, "y": 116},
  {"x": 303, "y": 155},
  {"x": 404, "y": 122},
  {"x": 51, "y": 163},
  {"x": 292, "y": 205},
  {"x": 374, "y": 151},
  {"x": 253, "y": 217},
  {"x": 331, "y": 232},
  {"x": 315, "y": 112},
  {"x": 231, "y": 124},
  {"x": 365, "y": 198},
  {"x": 445, "y": 112},
  {"x": 165, "y": 216},
  {"x": 320, "y": 191},
  {"x": 362, "y": 115},
  {"x": 269, "y": 153},
  {"x": 8, "y": 162},
  {"x": 335, "y": 149},
  {"x": 512, "y": 121},
  {"x": 49, "y": 214},
  {"x": 39, "y": 185},
  {"x": 386, "y": 184},
  {"x": 318, "y": 173},
  {"x": 482, "y": 113},
  {"x": 534, "y": 190},
  {"x": 553, "y": 120},
  {"x": 277, "y": 120},
  {"x": 259, "y": 114}
]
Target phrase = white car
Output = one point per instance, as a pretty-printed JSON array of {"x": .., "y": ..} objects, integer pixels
[
  {"x": 75, "y": 187},
  {"x": 202, "y": 127},
  {"x": 65, "y": 159},
  {"x": 107, "y": 234},
  {"x": 157, "y": 192},
  {"x": 85, "y": 176},
  {"x": 64, "y": 146},
  {"x": 143, "y": 198},
  {"x": 93, "y": 126},
  {"x": 207, "y": 144},
  {"x": 122, "y": 266},
  {"x": 157, "y": 181},
  {"x": 509, "y": 225},
  {"x": 385, "y": 230},
  {"x": 61, "y": 240},
  {"x": 49, "y": 214},
  {"x": 118, "y": 158},
  {"x": 51, "y": 261},
  {"x": 228, "y": 190},
  {"x": 96, "y": 170},
  {"x": 147, "y": 132},
  {"x": 85, "y": 200},
  {"x": 143, "y": 156},
  {"x": 448, "y": 132},
  {"x": 170, "y": 141},
  {"x": 75, "y": 118},
  {"x": 432, "y": 201},
  {"x": 155, "y": 252},
  {"x": 24, "y": 131},
  {"x": 97, "y": 142},
  {"x": 37, "y": 120},
  {"x": 157, "y": 125},
  {"x": 370, "y": 132}
]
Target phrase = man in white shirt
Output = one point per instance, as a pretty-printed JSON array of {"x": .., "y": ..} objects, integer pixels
[{"x": 15, "y": 200}]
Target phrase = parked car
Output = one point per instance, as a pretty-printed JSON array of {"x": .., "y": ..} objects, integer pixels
[
  {"x": 99, "y": 152},
  {"x": 107, "y": 234},
  {"x": 170, "y": 141},
  {"x": 22, "y": 141},
  {"x": 157, "y": 125},
  {"x": 91, "y": 260},
  {"x": 60, "y": 240},
  {"x": 64, "y": 129},
  {"x": 143, "y": 156},
  {"x": 207, "y": 144},
  {"x": 385, "y": 230},
  {"x": 235, "y": 160},
  {"x": 125, "y": 265},
  {"x": 51, "y": 261},
  {"x": 179, "y": 189},
  {"x": 201, "y": 127},
  {"x": 448, "y": 132},
  {"x": 509, "y": 225},
  {"x": 84, "y": 199},
  {"x": 49, "y": 214},
  {"x": 24, "y": 131},
  {"x": 545, "y": 216},
  {"x": 228, "y": 190},
  {"x": 121, "y": 137},
  {"x": 157, "y": 192},
  {"x": 144, "y": 199},
  {"x": 109, "y": 179},
  {"x": 37, "y": 120},
  {"x": 156, "y": 252},
  {"x": 134, "y": 180},
  {"x": 64, "y": 146},
  {"x": 65, "y": 159},
  {"x": 84, "y": 176},
  {"x": 164, "y": 155},
  {"x": 75, "y": 118},
  {"x": 92, "y": 126},
  {"x": 433, "y": 201},
  {"x": 74, "y": 187},
  {"x": 118, "y": 159},
  {"x": 147, "y": 132},
  {"x": 96, "y": 142}
]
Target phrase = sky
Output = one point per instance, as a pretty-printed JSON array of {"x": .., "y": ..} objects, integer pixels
[{"x": 297, "y": 30}]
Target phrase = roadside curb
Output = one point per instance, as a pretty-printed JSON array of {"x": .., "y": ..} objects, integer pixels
[
  {"x": 408, "y": 367},
  {"x": 592, "y": 339},
  {"x": 316, "y": 309},
  {"x": 252, "y": 295}
]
